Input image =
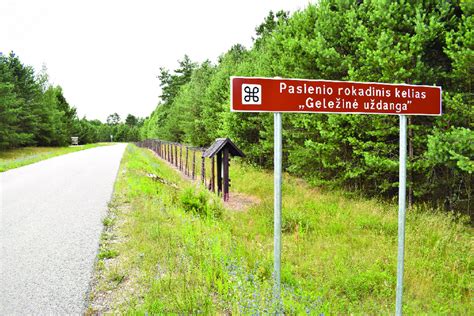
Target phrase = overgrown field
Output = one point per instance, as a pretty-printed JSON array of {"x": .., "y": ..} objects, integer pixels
[
  {"x": 169, "y": 247},
  {"x": 14, "y": 158}
]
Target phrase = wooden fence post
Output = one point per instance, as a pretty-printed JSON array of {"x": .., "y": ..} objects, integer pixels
[
  {"x": 194, "y": 163},
  {"x": 180, "y": 157},
  {"x": 176, "y": 155},
  {"x": 212, "y": 175},
  {"x": 203, "y": 170},
  {"x": 219, "y": 173},
  {"x": 226, "y": 174},
  {"x": 186, "y": 171},
  {"x": 171, "y": 153}
]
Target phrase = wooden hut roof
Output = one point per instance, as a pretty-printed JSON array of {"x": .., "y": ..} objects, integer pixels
[{"x": 219, "y": 145}]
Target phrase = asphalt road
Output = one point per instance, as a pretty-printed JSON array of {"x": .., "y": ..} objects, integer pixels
[{"x": 50, "y": 223}]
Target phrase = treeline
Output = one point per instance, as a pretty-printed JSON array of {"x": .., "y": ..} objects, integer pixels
[
  {"x": 35, "y": 113},
  {"x": 93, "y": 131},
  {"x": 416, "y": 42}
]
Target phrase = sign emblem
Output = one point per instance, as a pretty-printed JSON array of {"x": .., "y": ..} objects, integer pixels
[{"x": 251, "y": 94}]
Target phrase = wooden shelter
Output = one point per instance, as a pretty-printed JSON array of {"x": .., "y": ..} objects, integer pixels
[{"x": 223, "y": 148}]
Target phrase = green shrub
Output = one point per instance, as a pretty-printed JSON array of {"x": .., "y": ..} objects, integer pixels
[
  {"x": 107, "y": 254},
  {"x": 200, "y": 203},
  {"x": 294, "y": 220}
]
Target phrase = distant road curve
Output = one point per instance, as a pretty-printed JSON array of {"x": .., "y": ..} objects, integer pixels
[{"x": 50, "y": 224}]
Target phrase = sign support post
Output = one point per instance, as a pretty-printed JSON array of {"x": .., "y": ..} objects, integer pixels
[
  {"x": 277, "y": 95},
  {"x": 401, "y": 213},
  {"x": 277, "y": 164}
]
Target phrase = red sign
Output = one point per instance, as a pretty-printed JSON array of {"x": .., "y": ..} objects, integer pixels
[{"x": 249, "y": 94}]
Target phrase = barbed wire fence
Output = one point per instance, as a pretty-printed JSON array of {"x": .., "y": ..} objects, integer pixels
[{"x": 187, "y": 159}]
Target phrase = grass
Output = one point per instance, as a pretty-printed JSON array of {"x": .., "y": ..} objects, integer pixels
[
  {"x": 18, "y": 157},
  {"x": 178, "y": 250}
]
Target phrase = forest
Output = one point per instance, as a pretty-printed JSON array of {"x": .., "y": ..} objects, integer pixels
[
  {"x": 415, "y": 42},
  {"x": 34, "y": 112}
]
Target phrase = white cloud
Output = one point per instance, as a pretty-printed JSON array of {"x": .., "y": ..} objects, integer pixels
[{"x": 106, "y": 54}]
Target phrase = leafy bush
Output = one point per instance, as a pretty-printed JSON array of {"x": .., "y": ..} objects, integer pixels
[
  {"x": 295, "y": 221},
  {"x": 200, "y": 203}
]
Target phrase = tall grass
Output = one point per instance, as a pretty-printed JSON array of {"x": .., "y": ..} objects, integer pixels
[{"x": 178, "y": 250}]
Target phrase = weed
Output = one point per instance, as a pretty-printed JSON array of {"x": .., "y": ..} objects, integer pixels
[
  {"x": 199, "y": 202},
  {"x": 108, "y": 221},
  {"x": 296, "y": 221},
  {"x": 193, "y": 202},
  {"x": 107, "y": 254},
  {"x": 116, "y": 277}
]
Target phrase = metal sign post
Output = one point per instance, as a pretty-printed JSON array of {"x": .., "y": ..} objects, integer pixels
[
  {"x": 277, "y": 207},
  {"x": 402, "y": 175},
  {"x": 277, "y": 95}
]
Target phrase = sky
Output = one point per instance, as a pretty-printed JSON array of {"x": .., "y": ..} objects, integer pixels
[{"x": 106, "y": 54}]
